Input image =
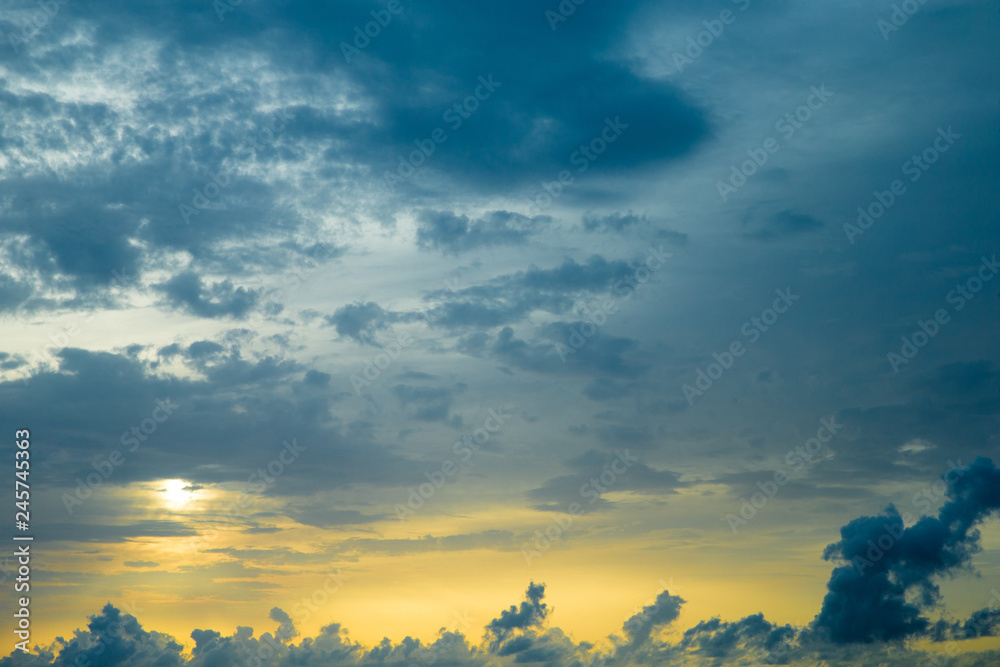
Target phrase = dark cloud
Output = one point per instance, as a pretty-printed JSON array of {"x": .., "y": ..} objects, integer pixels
[
  {"x": 450, "y": 233},
  {"x": 316, "y": 378},
  {"x": 530, "y": 614},
  {"x": 200, "y": 349},
  {"x": 241, "y": 409},
  {"x": 752, "y": 635},
  {"x": 287, "y": 630},
  {"x": 517, "y": 636},
  {"x": 189, "y": 292},
  {"x": 428, "y": 403},
  {"x": 887, "y": 583},
  {"x": 662, "y": 612},
  {"x": 619, "y": 223},
  {"x": 362, "y": 321},
  {"x": 600, "y": 355},
  {"x": 359, "y": 321},
  {"x": 613, "y": 222},
  {"x": 322, "y": 515},
  {"x": 982, "y": 623},
  {"x": 780, "y": 225},
  {"x": 93, "y": 532},
  {"x": 175, "y": 171},
  {"x": 511, "y": 298},
  {"x": 114, "y": 638},
  {"x": 592, "y": 472}
]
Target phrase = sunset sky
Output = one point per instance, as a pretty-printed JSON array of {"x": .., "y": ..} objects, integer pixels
[{"x": 642, "y": 317}]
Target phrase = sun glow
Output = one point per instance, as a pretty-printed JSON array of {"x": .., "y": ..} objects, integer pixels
[{"x": 177, "y": 493}]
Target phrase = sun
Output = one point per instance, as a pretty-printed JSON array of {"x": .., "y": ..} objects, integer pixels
[{"x": 176, "y": 492}]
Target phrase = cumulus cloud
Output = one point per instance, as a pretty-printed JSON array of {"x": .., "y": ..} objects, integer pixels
[
  {"x": 663, "y": 611},
  {"x": 530, "y": 614},
  {"x": 520, "y": 634},
  {"x": 887, "y": 583}
]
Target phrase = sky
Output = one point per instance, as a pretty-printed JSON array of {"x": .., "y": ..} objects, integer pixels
[{"x": 479, "y": 333}]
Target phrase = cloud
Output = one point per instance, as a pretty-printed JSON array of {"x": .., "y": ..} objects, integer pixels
[
  {"x": 362, "y": 321},
  {"x": 454, "y": 234},
  {"x": 429, "y": 403},
  {"x": 114, "y": 639},
  {"x": 518, "y": 635},
  {"x": 322, "y": 515},
  {"x": 359, "y": 321},
  {"x": 620, "y": 223},
  {"x": 612, "y": 222},
  {"x": 663, "y": 611},
  {"x": 780, "y": 225},
  {"x": 887, "y": 582},
  {"x": 510, "y": 298},
  {"x": 558, "y": 492},
  {"x": 188, "y": 292},
  {"x": 567, "y": 351},
  {"x": 750, "y": 636},
  {"x": 107, "y": 533},
  {"x": 234, "y": 404},
  {"x": 316, "y": 378},
  {"x": 93, "y": 187},
  {"x": 530, "y": 614},
  {"x": 287, "y": 629}
]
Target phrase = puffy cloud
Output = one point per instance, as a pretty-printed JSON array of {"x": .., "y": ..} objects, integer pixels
[
  {"x": 748, "y": 637},
  {"x": 887, "y": 583},
  {"x": 530, "y": 614},
  {"x": 519, "y": 635},
  {"x": 663, "y": 611}
]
